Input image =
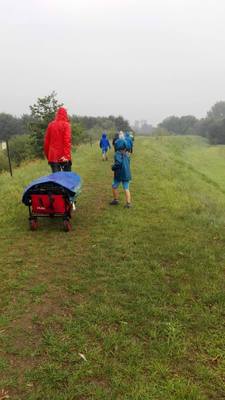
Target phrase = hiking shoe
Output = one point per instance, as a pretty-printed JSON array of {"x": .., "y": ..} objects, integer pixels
[
  {"x": 114, "y": 202},
  {"x": 128, "y": 205}
]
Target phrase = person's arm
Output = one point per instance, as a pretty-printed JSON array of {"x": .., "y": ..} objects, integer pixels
[{"x": 67, "y": 144}]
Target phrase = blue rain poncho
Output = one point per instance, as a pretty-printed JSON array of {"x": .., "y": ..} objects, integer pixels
[
  {"x": 121, "y": 166},
  {"x": 70, "y": 181}
]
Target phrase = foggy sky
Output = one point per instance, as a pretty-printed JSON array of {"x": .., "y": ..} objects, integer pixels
[{"x": 144, "y": 59}]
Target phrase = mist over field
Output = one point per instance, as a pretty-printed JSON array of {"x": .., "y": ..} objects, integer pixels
[{"x": 141, "y": 59}]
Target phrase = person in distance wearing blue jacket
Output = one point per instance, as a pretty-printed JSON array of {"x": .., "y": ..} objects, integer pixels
[{"x": 104, "y": 145}]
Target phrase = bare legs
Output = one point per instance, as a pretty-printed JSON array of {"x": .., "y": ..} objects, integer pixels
[
  {"x": 116, "y": 195},
  {"x": 104, "y": 156},
  {"x": 128, "y": 197}
]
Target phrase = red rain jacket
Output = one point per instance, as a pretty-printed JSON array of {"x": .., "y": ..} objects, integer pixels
[{"x": 57, "y": 142}]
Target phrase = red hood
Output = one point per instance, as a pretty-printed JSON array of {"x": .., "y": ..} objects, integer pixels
[{"x": 61, "y": 115}]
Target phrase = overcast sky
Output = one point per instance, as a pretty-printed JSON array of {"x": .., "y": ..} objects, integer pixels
[{"x": 143, "y": 59}]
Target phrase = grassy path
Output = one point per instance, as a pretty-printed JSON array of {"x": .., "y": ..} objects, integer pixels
[{"x": 130, "y": 304}]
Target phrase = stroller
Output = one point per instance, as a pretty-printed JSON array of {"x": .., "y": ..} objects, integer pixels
[{"x": 51, "y": 196}]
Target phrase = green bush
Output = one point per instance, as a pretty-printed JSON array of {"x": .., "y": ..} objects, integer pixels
[
  {"x": 21, "y": 148},
  {"x": 78, "y": 133},
  {"x": 4, "y": 166}
]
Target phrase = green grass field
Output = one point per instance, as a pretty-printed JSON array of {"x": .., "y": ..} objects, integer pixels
[{"x": 130, "y": 305}]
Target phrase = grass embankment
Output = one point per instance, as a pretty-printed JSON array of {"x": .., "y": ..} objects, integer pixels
[{"x": 130, "y": 304}]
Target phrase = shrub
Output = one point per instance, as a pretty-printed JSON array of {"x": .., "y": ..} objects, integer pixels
[
  {"x": 4, "y": 166},
  {"x": 21, "y": 148}
]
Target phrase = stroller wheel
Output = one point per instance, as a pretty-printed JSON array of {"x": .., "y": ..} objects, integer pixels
[
  {"x": 67, "y": 225},
  {"x": 33, "y": 224}
]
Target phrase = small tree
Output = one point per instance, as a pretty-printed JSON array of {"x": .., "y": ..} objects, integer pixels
[
  {"x": 122, "y": 124},
  {"x": 78, "y": 133},
  {"x": 217, "y": 111},
  {"x": 216, "y": 132},
  {"x": 10, "y": 126},
  {"x": 42, "y": 112}
]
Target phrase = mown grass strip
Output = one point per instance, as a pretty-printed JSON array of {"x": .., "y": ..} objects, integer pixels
[{"x": 139, "y": 293}]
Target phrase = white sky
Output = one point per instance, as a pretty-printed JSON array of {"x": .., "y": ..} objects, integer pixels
[{"x": 144, "y": 59}]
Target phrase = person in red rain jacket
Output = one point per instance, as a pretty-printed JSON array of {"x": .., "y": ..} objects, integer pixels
[{"x": 57, "y": 142}]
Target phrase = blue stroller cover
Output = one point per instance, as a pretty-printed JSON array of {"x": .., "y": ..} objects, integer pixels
[{"x": 68, "y": 180}]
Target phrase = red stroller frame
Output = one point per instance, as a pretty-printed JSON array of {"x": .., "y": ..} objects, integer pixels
[{"x": 49, "y": 200}]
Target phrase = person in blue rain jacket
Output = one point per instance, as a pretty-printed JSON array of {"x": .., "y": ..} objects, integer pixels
[
  {"x": 104, "y": 146},
  {"x": 129, "y": 141},
  {"x": 122, "y": 173}
]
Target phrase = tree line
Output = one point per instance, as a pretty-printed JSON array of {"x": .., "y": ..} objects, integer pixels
[
  {"x": 26, "y": 134},
  {"x": 212, "y": 126}
]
